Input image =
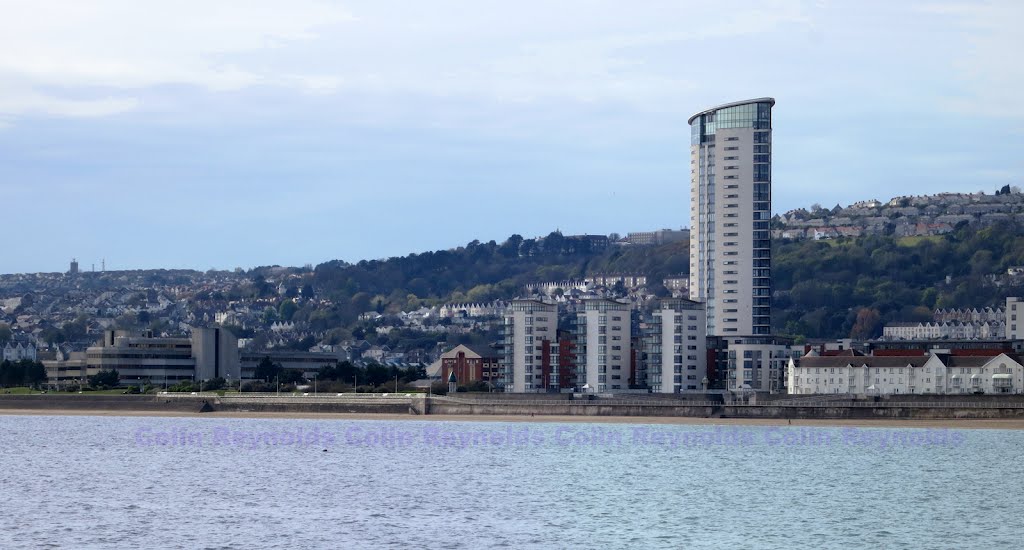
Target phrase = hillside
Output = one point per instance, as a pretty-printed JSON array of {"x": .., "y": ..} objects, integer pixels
[
  {"x": 824, "y": 289},
  {"x": 488, "y": 271},
  {"x": 831, "y": 288}
]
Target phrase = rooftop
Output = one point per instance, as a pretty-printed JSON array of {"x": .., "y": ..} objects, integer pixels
[{"x": 733, "y": 104}]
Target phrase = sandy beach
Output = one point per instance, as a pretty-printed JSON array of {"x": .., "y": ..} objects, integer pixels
[{"x": 998, "y": 424}]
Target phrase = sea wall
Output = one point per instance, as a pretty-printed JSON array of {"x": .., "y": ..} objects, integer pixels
[
  {"x": 99, "y": 403},
  {"x": 297, "y": 406},
  {"x": 860, "y": 410},
  {"x": 942, "y": 408}
]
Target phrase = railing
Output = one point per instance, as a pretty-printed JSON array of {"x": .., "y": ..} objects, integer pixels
[
  {"x": 303, "y": 395},
  {"x": 684, "y": 403},
  {"x": 581, "y": 402},
  {"x": 660, "y": 403}
]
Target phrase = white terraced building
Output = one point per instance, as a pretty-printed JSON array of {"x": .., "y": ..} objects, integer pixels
[
  {"x": 938, "y": 373},
  {"x": 984, "y": 330}
]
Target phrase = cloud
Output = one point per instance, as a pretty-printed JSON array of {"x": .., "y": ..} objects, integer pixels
[
  {"x": 123, "y": 45},
  {"x": 985, "y": 65},
  {"x": 577, "y": 51},
  {"x": 26, "y": 101}
]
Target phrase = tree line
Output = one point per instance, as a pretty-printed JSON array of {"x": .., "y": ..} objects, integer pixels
[{"x": 22, "y": 373}]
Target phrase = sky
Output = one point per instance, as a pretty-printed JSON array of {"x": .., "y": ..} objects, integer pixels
[{"x": 240, "y": 133}]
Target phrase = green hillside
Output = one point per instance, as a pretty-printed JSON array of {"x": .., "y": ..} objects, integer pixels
[{"x": 824, "y": 289}]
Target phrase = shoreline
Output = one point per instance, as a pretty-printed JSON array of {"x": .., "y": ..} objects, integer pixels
[{"x": 946, "y": 423}]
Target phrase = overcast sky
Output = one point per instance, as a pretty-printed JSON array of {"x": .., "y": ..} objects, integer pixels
[{"x": 231, "y": 133}]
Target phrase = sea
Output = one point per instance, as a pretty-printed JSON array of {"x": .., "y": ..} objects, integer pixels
[{"x": 156, "y": 482}]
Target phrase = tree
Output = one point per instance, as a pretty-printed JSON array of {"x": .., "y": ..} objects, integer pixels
[
  {"x": 866, "y": 326},
  {"x": 554, "y": 243},
  {"x": 287, "y": 310},
  {"x": 35, "y": 373},
  {"x": 267, "y": 370},
  {"x": 361, "y": 302},
  {"x": 510, "y": 248},
  {"x": 214, "y": 384},
  {"x": 105, "y": 379},
  {"x": 5, "y": 333},
  {"x": 291, "y": 376}
]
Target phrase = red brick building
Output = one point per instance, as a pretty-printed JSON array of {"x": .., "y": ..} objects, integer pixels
[
  {"x": 558, "y": 362},
  {"x": 470, "y": 364}
]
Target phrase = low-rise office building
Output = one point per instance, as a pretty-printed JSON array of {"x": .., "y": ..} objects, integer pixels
[
  {"x": 143, "y": 359},
  {"x": 306, "y": 362}
]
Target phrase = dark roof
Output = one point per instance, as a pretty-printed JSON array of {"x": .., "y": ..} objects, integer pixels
[
  {"x": 483, "y": 351},
  {"x": 842, "y": 353},
  {"x": 954, "y": 361},
  {"x": 870, "y": 361}
]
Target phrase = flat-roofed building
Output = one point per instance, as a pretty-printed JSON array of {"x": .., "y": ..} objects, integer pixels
[
  {"x": 675, "y": 346},
  {"x": 603, "y": 338},
  {"x": 141, "y": 358},
  {"x": 527, "y": 325},
  {"x": 308, "y": 363}
]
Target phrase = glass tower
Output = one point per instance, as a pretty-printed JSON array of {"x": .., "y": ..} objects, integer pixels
[{"x": 730, "y": 212}]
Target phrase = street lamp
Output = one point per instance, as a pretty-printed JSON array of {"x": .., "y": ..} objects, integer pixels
[
  {"x": 353, "y": 383},
  {"x": 277, "y": 381},
  {"x": 314, "y": 383}
]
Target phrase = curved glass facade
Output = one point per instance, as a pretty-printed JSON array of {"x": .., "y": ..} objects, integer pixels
[{"x": 756, "y": 115}]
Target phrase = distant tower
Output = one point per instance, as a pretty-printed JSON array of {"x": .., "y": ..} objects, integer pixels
[
  {"x": 74, "y": 267},
  {"x": 730, "y": 213},
  {"x": 103, "y": 265}
]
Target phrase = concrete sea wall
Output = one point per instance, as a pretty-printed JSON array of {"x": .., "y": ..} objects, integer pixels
[{"x": 949, "y": 408}]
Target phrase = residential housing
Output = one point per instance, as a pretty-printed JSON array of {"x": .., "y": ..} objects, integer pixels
[
  {"x": 675, "y": 347},
  {"x": 526, "y": 324},
  {"x": 730, "y": 211},
  {"x": 939, "y": 372},
  {"x": 603, "y": 334}
]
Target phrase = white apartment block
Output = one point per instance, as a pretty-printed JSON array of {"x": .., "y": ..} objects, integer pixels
[
  {"x": 526, "y": 324},
  {"x": 603, "y": 353},
  {"x": 675, "y": 342},
  {"x": 730, "y": 210},
  {"x": 1014, "y": 319},
  {"x": 938, "y": 373},
  {"x": 758, "y": 363}
]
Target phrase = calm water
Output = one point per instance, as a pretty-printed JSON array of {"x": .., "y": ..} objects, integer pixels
[{"x": 87, "y": 482}]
